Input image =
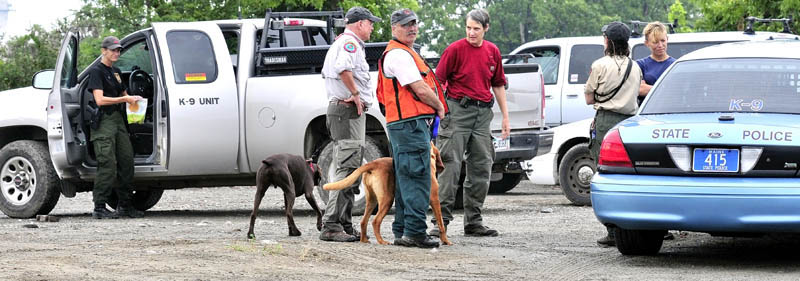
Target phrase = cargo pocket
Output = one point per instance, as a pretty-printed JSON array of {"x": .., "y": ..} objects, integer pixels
[
  {"x": 445, "y": 128},
  {"x": 348, "y": 154},
  {"x": 413, "y": 158}
]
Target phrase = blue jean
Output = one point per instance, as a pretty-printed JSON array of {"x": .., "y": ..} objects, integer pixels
[{"x": 410, "y": 142}]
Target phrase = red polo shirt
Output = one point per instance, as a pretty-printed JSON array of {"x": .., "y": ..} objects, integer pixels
[{"x": 470, "y": 71}]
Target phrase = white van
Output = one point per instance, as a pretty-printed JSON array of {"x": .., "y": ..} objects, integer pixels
[{"x": 565, "y": 64}]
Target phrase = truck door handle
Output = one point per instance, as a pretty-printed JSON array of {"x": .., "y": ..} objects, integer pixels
[
  {"x": 163, "y": 109},
  {"x": 572, "y": 95},
  {"x": 548, "y": 96}
]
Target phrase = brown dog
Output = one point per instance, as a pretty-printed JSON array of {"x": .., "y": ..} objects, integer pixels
[
  {"x": 378, "y": 179},
  {"x": 295, "y": 176}
]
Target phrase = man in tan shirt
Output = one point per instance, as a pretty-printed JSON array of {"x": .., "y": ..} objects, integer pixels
[{"x": 612, "y": 88}]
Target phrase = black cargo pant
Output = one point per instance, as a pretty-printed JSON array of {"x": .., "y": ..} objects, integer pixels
[
  {"x": 114, "y": 153},
  {"x": 347, "y": 130}
]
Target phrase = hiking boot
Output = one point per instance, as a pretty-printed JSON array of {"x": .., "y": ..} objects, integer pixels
[
  {"x": 481, "y": 231},
  {"x": 607, "y": 241},
  {"x": 421, "y": 242},
  {"x": 354, "y": 232},
  {"x": 435, "y": 229},
  {"x": 100, "y": 212},
  {"x": 337, "y": 236},
  {"x": 130, "y": 212}
]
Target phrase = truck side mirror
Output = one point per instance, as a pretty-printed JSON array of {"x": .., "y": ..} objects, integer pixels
[{"x": 44, "y": 79}]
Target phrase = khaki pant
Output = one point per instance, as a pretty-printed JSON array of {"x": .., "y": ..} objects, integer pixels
[
  {"x": 604, "y": 120},
  {"x": 347, "y": 130},
  {"x": 465, "y": 134},
  {"x": 114, "y": 153}
]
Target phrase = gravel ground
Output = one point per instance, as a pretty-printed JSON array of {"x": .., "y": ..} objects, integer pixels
[{"x": 199, "y": 234}]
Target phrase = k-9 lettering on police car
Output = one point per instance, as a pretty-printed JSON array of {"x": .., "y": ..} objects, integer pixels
[
  {"x": 192, "y": 101},
  {"x": 737, "y": 104},
  {"x": 762, "y": 135},
  {"x": 670, "y": 133}
]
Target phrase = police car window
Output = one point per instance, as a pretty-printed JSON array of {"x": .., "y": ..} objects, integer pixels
[
  {"x": 548, "y": 59},
  {"x": 193, "y": 58},
  {"x": 580, "y": 62},
  {"x": 675, "y": 50},
  {"x": 137, "y": 55},
  {"x": 728, "y": 85}
]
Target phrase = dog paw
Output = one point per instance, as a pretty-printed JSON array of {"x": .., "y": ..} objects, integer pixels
[
  {"x": 294, "y": 232},
  {"x": 384, "y": 243},
  {"x": 448, "y": 243},
  {"x": 251, "y": 236}
]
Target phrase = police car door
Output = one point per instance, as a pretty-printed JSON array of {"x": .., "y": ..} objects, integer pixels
[
  {"x": 63, "y": 109},
  {"x": 202, "y": 98}
]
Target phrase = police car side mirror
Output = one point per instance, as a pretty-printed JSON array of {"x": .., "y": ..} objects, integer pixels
[{"x": 43, "y": 79}]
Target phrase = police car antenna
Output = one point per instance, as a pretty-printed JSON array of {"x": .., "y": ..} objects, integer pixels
[{"x": 751, "y": 20}]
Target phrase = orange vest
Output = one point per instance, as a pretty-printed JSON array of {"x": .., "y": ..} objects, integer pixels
[{"x": 401, "y": 102}]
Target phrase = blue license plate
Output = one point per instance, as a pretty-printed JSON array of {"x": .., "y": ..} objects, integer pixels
[{"x": 716, "y": 160}]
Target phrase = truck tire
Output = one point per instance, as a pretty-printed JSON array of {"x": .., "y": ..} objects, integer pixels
[
  {"x": 28, "y": 181},
  {"x": 142, "y": 200},
  {"x": 639, "y": 242},
  {"x": 508, "y": 182},
  {"x": 371, "y": 152},
  {"x": 575, "y": 173}
]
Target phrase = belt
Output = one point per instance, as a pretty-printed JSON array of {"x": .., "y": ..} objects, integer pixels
[
  {"x": 344, "y": 102},
  {"x": 466, "y": 101}
]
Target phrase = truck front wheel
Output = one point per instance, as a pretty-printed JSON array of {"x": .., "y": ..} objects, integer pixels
[
  {"x": 508, "y": 182},
  {"x": 371, "y": 152},
  {"x": 28, "y": 181},
  {"x": 575, "y": 172}
]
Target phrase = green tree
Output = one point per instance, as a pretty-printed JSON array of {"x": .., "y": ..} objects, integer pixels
[
  {"x": 719, "y": 15},
  {"x": 22, "y": 56},
  {"x": 678, "y": 14}
]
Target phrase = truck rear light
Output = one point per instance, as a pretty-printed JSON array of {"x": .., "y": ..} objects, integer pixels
[
  {"x": 612, "y": 151},
  {"x": 289, "y": 22},
  {"x": 541, "y": 78}
]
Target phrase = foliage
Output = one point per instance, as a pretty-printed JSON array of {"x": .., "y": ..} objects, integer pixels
[
  {"x": 678, "y": 14},
  {"x": 727, "y": 15},
  {"x": 22, "y": 56}
]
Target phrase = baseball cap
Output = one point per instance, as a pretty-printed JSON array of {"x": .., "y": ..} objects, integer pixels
[
  {"x": 403, "y": 16},
  {"x": 111, "y": 43},
  {"x": 356, "y": 14},
  {"x": 616, "y": 31}
]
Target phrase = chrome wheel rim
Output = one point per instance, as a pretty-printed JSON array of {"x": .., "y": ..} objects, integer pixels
[{"x": 18, "y": 181}]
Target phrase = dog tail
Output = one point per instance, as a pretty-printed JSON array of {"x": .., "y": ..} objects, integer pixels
[{"x": 350, "y": 179}]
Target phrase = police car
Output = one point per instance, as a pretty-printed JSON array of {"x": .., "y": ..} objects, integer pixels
[{"x": 714, "y": 148}]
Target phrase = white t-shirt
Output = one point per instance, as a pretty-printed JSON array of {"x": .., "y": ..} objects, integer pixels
[{"x": 399, "y": 63}]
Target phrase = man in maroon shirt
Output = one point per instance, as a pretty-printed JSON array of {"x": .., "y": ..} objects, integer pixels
[{"x": 468, "y": 69}]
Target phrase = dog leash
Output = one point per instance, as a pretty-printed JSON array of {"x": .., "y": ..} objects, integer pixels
[{"x": 435, "y": 128}]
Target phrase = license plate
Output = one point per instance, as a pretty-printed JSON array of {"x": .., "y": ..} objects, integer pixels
[
  {"x": 716, "y": 160},
  {"x": 501, "y": 144}
]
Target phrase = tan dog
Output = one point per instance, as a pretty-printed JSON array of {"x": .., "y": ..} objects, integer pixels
[{"x": 378, "y": 179}]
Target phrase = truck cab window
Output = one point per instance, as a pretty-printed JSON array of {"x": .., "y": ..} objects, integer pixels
[
  {"x": 193, "y": 59},
  {"x": 580, "y": 62}
]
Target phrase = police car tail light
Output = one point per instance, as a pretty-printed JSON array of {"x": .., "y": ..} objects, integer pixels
[
  {"x": 681, "y": 155},
  {"x": 612, "y": 151},
  {"x": 750, "y": 157}
]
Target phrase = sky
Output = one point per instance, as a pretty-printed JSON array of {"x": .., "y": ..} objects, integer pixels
[{"x": 26, "y": 13}]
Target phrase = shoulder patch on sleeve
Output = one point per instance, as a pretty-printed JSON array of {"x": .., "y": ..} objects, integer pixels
[{"x": 350, "y": 47}]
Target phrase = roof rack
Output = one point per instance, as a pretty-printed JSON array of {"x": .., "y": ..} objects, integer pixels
[
  {"x": 635, "y": 25},
  {"x": 750, "y": 20},
  {"x": 333, "y": 19}
]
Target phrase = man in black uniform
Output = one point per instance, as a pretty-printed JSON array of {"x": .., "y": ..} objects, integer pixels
[{"x": 112, "y": 145}]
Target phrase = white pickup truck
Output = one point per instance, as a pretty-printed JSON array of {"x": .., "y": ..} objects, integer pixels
[{"x": 222, "y": 96}]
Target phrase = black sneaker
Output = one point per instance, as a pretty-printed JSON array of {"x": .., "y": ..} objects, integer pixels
[
  {"x": 130, "y": 212},
  {"x": 607, "y": 241},
  {"x": 422, "y": 242},
  {"x": 103, "y": 213},
  {"x": 481, "y": 231},
  {"x": 337, "y": 236}
]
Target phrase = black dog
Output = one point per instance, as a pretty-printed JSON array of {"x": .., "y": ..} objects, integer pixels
[{"x": 295, "y": 176}]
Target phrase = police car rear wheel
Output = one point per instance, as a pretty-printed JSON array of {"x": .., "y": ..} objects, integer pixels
[
  {"x": 639, "y": 242},
  {"x": 28, "y": 181},
  {"x": 371, "y": 152},
  {"x": 575, "y": 174}
]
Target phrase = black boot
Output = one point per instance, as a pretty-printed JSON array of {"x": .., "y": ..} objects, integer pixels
[
  {"x": 420, "y": 242},
  {"x": 100, "y": 212},
  {"x": 127, "y": 210}
]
